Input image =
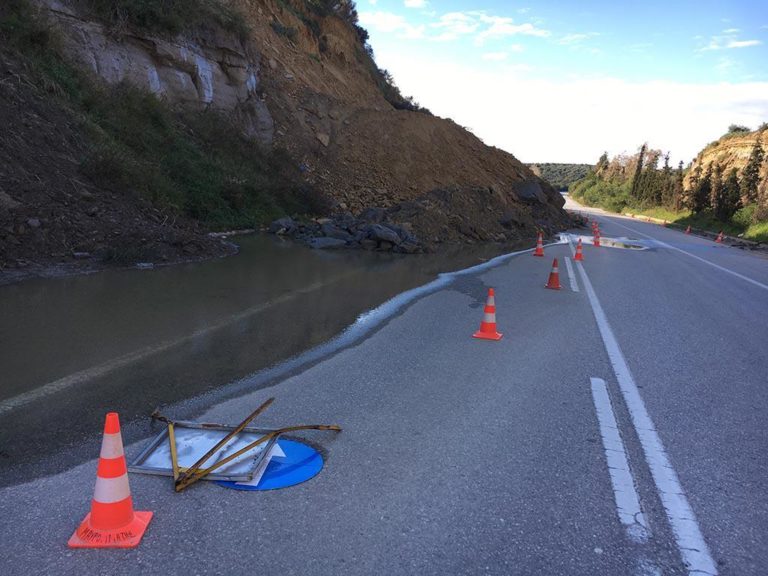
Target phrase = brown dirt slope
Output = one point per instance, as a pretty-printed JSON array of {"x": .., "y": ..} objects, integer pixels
[{"x": 363, "y": 152}]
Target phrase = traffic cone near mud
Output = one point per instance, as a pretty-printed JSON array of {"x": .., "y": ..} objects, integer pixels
[
  {"x": 539, "y": 245},
  {"x": 579, "y": 255},
  {"x": 488, "y": 325},
  {"x": 688, "y": 230},
  {"x": 554, "y": 277},
  {"x": 112, "y": 522},
  {"x": 719, "y": 238}
]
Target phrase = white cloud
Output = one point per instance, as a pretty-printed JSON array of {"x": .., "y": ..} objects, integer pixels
[
  {"x": 572, "y": 38},
  {"x": 390, "y": 23},
  {"x": 575, "y": 119},
  {"x": 728, "y": 40},
  {"x": 501, "y": 27},
  {"x": 742, "y": 43},
  {"x": 415, "y": 3}
]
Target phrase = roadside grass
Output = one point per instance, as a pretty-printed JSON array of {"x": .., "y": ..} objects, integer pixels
[{"x": 191, "y": 163}]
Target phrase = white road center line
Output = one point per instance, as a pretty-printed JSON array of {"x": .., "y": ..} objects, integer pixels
[
  {"x": 726, "y": 270},
  {"x": 627, "y": 500},
  {"x": 571, "y": 275},
  {"x": 690, "y": 541}
]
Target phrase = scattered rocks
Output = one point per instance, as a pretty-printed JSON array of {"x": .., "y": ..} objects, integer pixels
[
  {"x": 33, "y": 222},
  {"x": 283, "y": 226},
  {"x": 324, "y": 139},
  {"x": 371, "y": 230}
]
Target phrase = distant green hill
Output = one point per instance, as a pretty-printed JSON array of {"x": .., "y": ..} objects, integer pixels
[{"x": 561, "y": 175}]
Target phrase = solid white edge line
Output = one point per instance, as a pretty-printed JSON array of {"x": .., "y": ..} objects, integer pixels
[
  {"x": 624, "y": 491},
  {"x": 571, "y": 275},
  {"x": 690, "y": 541},
  {"x": 700, "y": 259}
]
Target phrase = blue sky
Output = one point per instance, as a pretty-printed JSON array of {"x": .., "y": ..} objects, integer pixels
[{"x": 598, "y": 75}]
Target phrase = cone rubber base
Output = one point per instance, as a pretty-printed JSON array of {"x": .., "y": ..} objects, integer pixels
[
  {"x": 126, "y": 537},
  {"x": 552, "y": 287},
  {"x": 487, "y": 335},
  {"x": 539, "y": 253}
]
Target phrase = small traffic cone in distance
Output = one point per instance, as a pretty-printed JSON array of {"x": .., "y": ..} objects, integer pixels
[
  {"x": 539, "y": 245},
  {"x": 596, "y": 239},
  {"x": 719, "y": 238},
  {"x": 488, "y": 325},
  {"x": 688, "y": 230},
  {"x": 579, "y": 255},
  {"x": 112, "y": 522},
  {"x": 554, "y": 277}
]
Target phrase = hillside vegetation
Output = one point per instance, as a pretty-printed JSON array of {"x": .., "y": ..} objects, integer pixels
[
  {"x": 561, "y": 176},
  {"x": 724, "y": 188}
]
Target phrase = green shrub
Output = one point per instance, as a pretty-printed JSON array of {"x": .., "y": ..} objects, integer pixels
[
  {"x": 168, "y": 16},
  {"x": 745, "y": 216},
  {"x": 288, "y": 31}
]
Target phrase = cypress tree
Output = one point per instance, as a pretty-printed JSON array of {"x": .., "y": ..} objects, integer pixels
[
  {"x": 716, "y": 191},
  {"x": 750, "y": 177},
  {"x": 702, "y": 192},
  {"x": 730, "y": 196},
  {"x": 634, "y": 190}
]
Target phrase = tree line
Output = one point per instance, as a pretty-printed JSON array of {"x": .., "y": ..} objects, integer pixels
[{"x": 646, "y": 179}]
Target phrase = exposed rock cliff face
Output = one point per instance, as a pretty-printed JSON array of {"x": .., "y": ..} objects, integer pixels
[
  {"x": 731, "y": 151},
  {"x": 209, "y": 69}
]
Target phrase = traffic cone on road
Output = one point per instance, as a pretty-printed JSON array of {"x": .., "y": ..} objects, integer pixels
[
  {"x": 539, "y": 245},
  {"x": 579, "y": 255},
  {"x": 554, "y": 277},
  {"x": 688, "y": 230},
  {"x": 488, "y": 325},
  {"x": 596, "y": 239},
  {"x": 719, "y": 238},
  {"x": 112, "y": 522}
]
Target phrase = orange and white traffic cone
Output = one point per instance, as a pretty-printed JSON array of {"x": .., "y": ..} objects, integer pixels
[
  {"x": 112, "y": 522},
  {"x": 688, "y": 230},
  {"x": 554, "y": 277},
  {"x": 579, "y": 255},
  {"x": 596, "y": 239},
  {"x": 539, "y": 245},
  {"x": 719, "y": 238},
  {"x": 488, "y": 325}
]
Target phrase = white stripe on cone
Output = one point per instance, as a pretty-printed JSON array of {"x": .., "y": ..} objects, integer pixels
[
  {"x": 112, "y": 446},
  {"x": 111, "y": 490},
  {"x": 489, "y": 317}
]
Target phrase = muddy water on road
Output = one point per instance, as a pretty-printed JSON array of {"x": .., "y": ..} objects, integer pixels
[{"x": 129, "y": 340}]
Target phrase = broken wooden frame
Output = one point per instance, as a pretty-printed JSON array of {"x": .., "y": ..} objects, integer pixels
[
  {"x": 146, "y": 461},
  {"x": 238, "y": 466}
]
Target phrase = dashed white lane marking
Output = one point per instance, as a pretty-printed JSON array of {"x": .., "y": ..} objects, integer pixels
[
  {"x": 688, "y": 536},
  {"x": 722, "y": 268},
  {"x": 624, "y": 491},
  {"x": 571, "y": 275}
]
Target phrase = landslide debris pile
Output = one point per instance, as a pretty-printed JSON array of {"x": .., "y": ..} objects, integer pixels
[{"x": 292, "y": 82}]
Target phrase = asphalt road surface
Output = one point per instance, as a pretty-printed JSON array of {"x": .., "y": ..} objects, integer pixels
[{"x": 619, "y": 428}]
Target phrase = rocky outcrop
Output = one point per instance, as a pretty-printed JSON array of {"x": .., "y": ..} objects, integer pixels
[
  {"x": 209, "y": 68},
  {"x": 730, "y": 151}
]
